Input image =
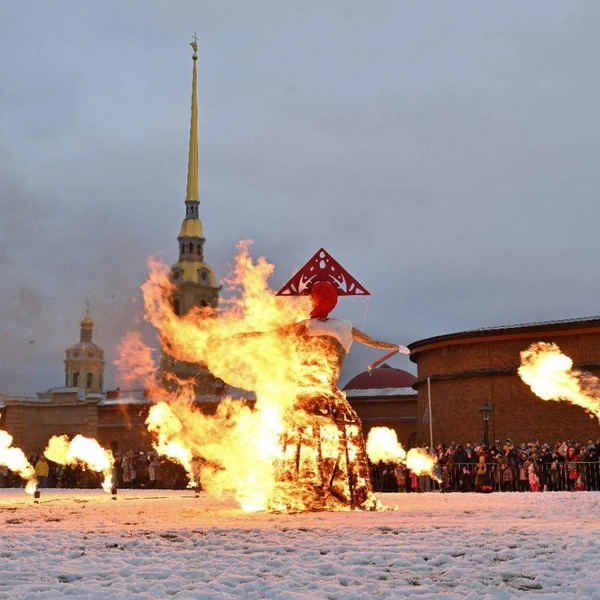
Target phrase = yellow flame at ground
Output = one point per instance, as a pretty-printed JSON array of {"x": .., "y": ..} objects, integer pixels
[
  {"x": 84, "y": 451},
  {"x": 285, "y": 452},
  {"x": 383, "y": 445},
  {"x": 15, "y": 460},
  {"x": 550, "y": 375}
]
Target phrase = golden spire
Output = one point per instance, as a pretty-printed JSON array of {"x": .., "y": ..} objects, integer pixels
[{"x": 192, "y": 178}]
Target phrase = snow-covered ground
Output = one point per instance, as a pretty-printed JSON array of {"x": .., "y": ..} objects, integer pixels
[{"x": 159, "y": 544}]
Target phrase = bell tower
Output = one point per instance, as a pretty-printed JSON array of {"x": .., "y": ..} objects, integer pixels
[
  {"x": 84, "y": 362},
  {"x": 195, "y": 283}
]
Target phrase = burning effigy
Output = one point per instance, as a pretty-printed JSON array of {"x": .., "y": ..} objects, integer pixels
[
  {"x": 300, "y": 447},
  {"x": 550, "y": 375}
]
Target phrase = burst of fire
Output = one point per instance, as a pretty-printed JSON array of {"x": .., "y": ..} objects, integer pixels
[
  {"x": 383, "y": 445},
  {"x": 15, "y": 460},
  {"x": 84, "y": 451},
  {"x": 420, "y": 462},
  {"x": 550, "y": 375},
  {"x": 300, "y": 446}
]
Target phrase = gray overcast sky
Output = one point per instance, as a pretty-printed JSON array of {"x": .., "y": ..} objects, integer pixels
[{"x": 445, "y": 153}]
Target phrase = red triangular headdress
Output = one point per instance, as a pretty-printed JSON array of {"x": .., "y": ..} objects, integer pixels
[{"x": 322, "y": 267}]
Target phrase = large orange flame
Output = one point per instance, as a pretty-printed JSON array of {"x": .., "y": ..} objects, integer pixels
[
  {"x": 284, "y": 453},
  {"x": 84, "y": 451},
  {"x": 15, "y": 460},
  {"x": 550, "y": 375}
]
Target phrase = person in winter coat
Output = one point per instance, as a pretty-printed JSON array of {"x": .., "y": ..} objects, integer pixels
[
  {"x": 534, "y": 480},
  {"x": 42, "y": 470},
  {"x": 482, "y": 478},
  {"x": 154, "y": 473},
  {"x": 507, "y": 478},
  {"x": 593, "y": 469},
  {"x": 467, "y": 481},
  {"x": 545, "y": 459},
  {"x": 572, "y": 466},
  {"x": 556, "y": 472}
]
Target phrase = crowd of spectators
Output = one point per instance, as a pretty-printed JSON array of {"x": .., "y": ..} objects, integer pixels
[
  {"x": 133, "y": 469},
  {"x": 566, "y": 465}
]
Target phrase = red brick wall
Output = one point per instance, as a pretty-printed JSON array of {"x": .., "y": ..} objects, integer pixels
[
  {"x": 123, "y": 427},
  {"x": 518, "y": 413},
  {"x": 387, "y": 413}
]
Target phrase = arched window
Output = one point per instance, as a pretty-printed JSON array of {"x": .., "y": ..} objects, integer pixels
[
  {"x": 182, "y": 249},
  {"x": 76, "y": 379},
  {"x": 191, "y": 247},
  {"x": 198, "y": 249},
  {"x": 90, "y": 380}
]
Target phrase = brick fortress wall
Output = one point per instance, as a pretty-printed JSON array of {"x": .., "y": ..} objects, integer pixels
[{"x": 469, "y": 368}]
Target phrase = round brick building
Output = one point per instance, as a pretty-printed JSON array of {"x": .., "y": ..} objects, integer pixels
[
  {"x": 385, "y": 397},
  {"x": 467, "y": 369}
]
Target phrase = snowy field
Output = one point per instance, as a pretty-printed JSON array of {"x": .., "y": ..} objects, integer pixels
[{"x": 162, "y": 544}]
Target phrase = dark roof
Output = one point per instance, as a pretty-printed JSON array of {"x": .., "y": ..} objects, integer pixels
[
  {"x": 542, "y": 326},
  {"x": 382, "y": 377}
]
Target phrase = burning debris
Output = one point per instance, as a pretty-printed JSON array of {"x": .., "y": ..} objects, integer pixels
[
  {"x": 83, "y": 451},
  {"x": 301, "y": 446},
  {"x": 15, "y": 460},
  {"x": 551, "y": 376}
]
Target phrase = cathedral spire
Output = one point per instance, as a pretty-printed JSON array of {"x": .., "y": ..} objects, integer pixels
[
  {"x": 192, "y": 177},
  {"x": 195, "y": 284}
]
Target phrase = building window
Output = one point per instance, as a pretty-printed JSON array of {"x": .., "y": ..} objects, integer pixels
[
  {"x": 198, "y": 249},
  {"x": 203, "y": 274},
  {"x": 91, "y": 354},
  {"x": 191, "y": 247},
  {"x": 75, "y": 379},
  {"x": 182, "y": 250},
  {"x": 66, "y": 380},
  {"x": 90, "y": 380},
  {"x": 76, "y": 353}
]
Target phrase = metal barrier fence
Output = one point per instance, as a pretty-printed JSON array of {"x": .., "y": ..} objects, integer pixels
[
  {"x": 468, "y": 477},
  {"x": 455, "y": 477}
]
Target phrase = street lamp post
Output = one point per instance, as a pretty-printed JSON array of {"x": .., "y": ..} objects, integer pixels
[{"x": 486, "y": 413}]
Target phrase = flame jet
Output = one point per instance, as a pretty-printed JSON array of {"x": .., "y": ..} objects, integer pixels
[
  {"x": 383, "y": 445},
  {"x": 84, "y": 451},
  {"x": 15, "y": 460},
  {"x": 550, "y": 375}
]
